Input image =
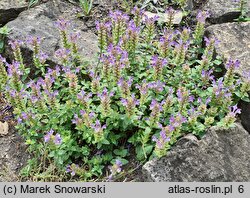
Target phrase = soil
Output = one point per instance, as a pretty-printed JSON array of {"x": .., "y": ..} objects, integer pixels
[{"x": 13, "y": 155}]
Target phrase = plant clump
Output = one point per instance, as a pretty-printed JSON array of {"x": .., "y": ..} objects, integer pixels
[{"x": 147, "y": 89}]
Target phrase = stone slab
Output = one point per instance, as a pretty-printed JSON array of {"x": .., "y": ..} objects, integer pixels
[{"x": 220, "y": 156}]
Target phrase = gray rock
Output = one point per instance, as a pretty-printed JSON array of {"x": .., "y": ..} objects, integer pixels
[
  {"x": 10, "y": 9},
  {"x": 223, "y": 11},
  {"x": 13, "y": 156},
  {"x": 234, "y": 43},
  {"x": 221, "y": 155},
  {"x": 40, "y": 21},
  {"x": 245, "y": 115}
]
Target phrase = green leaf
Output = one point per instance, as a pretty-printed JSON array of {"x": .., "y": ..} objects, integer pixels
[
  {"x": 32, "y": 3},
  {"x": 123, "y": 161},
  {"x": 148, "y": 149},
  {"x": 121, "y": 152},
  {"x": 246, "y": 99},
  {"x": 238, "y": 93},
  {"x": 139, "y": 153},
  {"x": 85, "y": 150},
  {"x": 217, "y": 62},
  {"x": 105, "y": 141}
]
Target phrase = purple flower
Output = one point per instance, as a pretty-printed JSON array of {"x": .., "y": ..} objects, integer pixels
[
  {"x": 47, "y": 137},
  {"x": 52, "y": 94},
  {"x": 169, "y": 101},
  {"x": 220, "y": 90},
  {"x": 138, "y": 14},
  {"x": 98, "y": 128},
  {"x": 133, "y": 30},
  {"x": 24, "y": 116},
  {"x": 193, "y": 113},
  {"x": 156, "y": 109},
  {"x": 57, "y": 139},
  {"x": 211, "y": 41},
  {"x": 66, "y": 69},
  {"x": 116, "y": 168},
  {"x": 118, "y": 16},
  {"x": 68, "y": 169},
  {"x": 208, "y": 100},
  {"x": 54, "y": 72},
  {"x": 42, "y": 57},
  {"x": 33, "y": 40},
  {"x": 124, "y": 102},
  {"x": 19, "y": 120},
  {"x": 76, "y": 120},
  {"x": 165, "y": 136},
  {"x": 183, "y": 95},
  {"x": 83, "y": 96},
  {"x": 180, "y": 45},
  {"x": 14, "y": 69},
  {"x": 118, "y": 164},
  {"x": 186, "y": 30},
  {"x": 234, "y": 110},
  {"x": 15, "y": 44},
  {"x": 104, "y": 95},
  {"x": 149, "y": 21},
  {"x": 143, "y": 88},
  {"x": 177, "y": 121},
  {"x": 166, "y": 40},
  {"x": 103, "y": 26},
  {"x": 155, "y": 105},
  {"x": 158, "y": 86},
  {"x": 137, "y": 11},
  {"x": 72, "y": 169},
  {"x": 233, "y": 64},
  {"x": 202, "y": 15},
  {"x": 87, "y": 117},
  {"x": 62, "y": 24},
  {"x": 170, "y": 11},
  {"x": 74, "y": 37},
  {"x": 125, "y": 85},
  {"x": 158, "y": 62},
  {"x": 2, "y": 60},
  {"x": 62, "y": 54},
  {"x": 130, "y": 102},
  {"x": 167, "y": 129},
  {"x": 207, "y": 75},
  {"x": 121, "y": 82}
]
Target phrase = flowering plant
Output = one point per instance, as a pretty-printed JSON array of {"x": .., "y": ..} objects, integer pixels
[{"x": 145, "y": 93}]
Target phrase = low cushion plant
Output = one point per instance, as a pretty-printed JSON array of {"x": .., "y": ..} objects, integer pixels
[{"x": 147, "y": 89}]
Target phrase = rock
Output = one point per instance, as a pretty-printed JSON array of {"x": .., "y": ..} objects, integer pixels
[
  {"x": 164, "y": 17},
  {"x": 234, "y": 43},
  {"x": 13, "y": 156},
  {"x": 245, "y": 114},
  {"x": 220, "y": 156},
  {"x": 190, "y": 4},
  {"x": 40, "y": 21},
  {"x": 10, "y": 9},
  {"x": 223, "y": 11},
  {"x": 4, "y": 128}
]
